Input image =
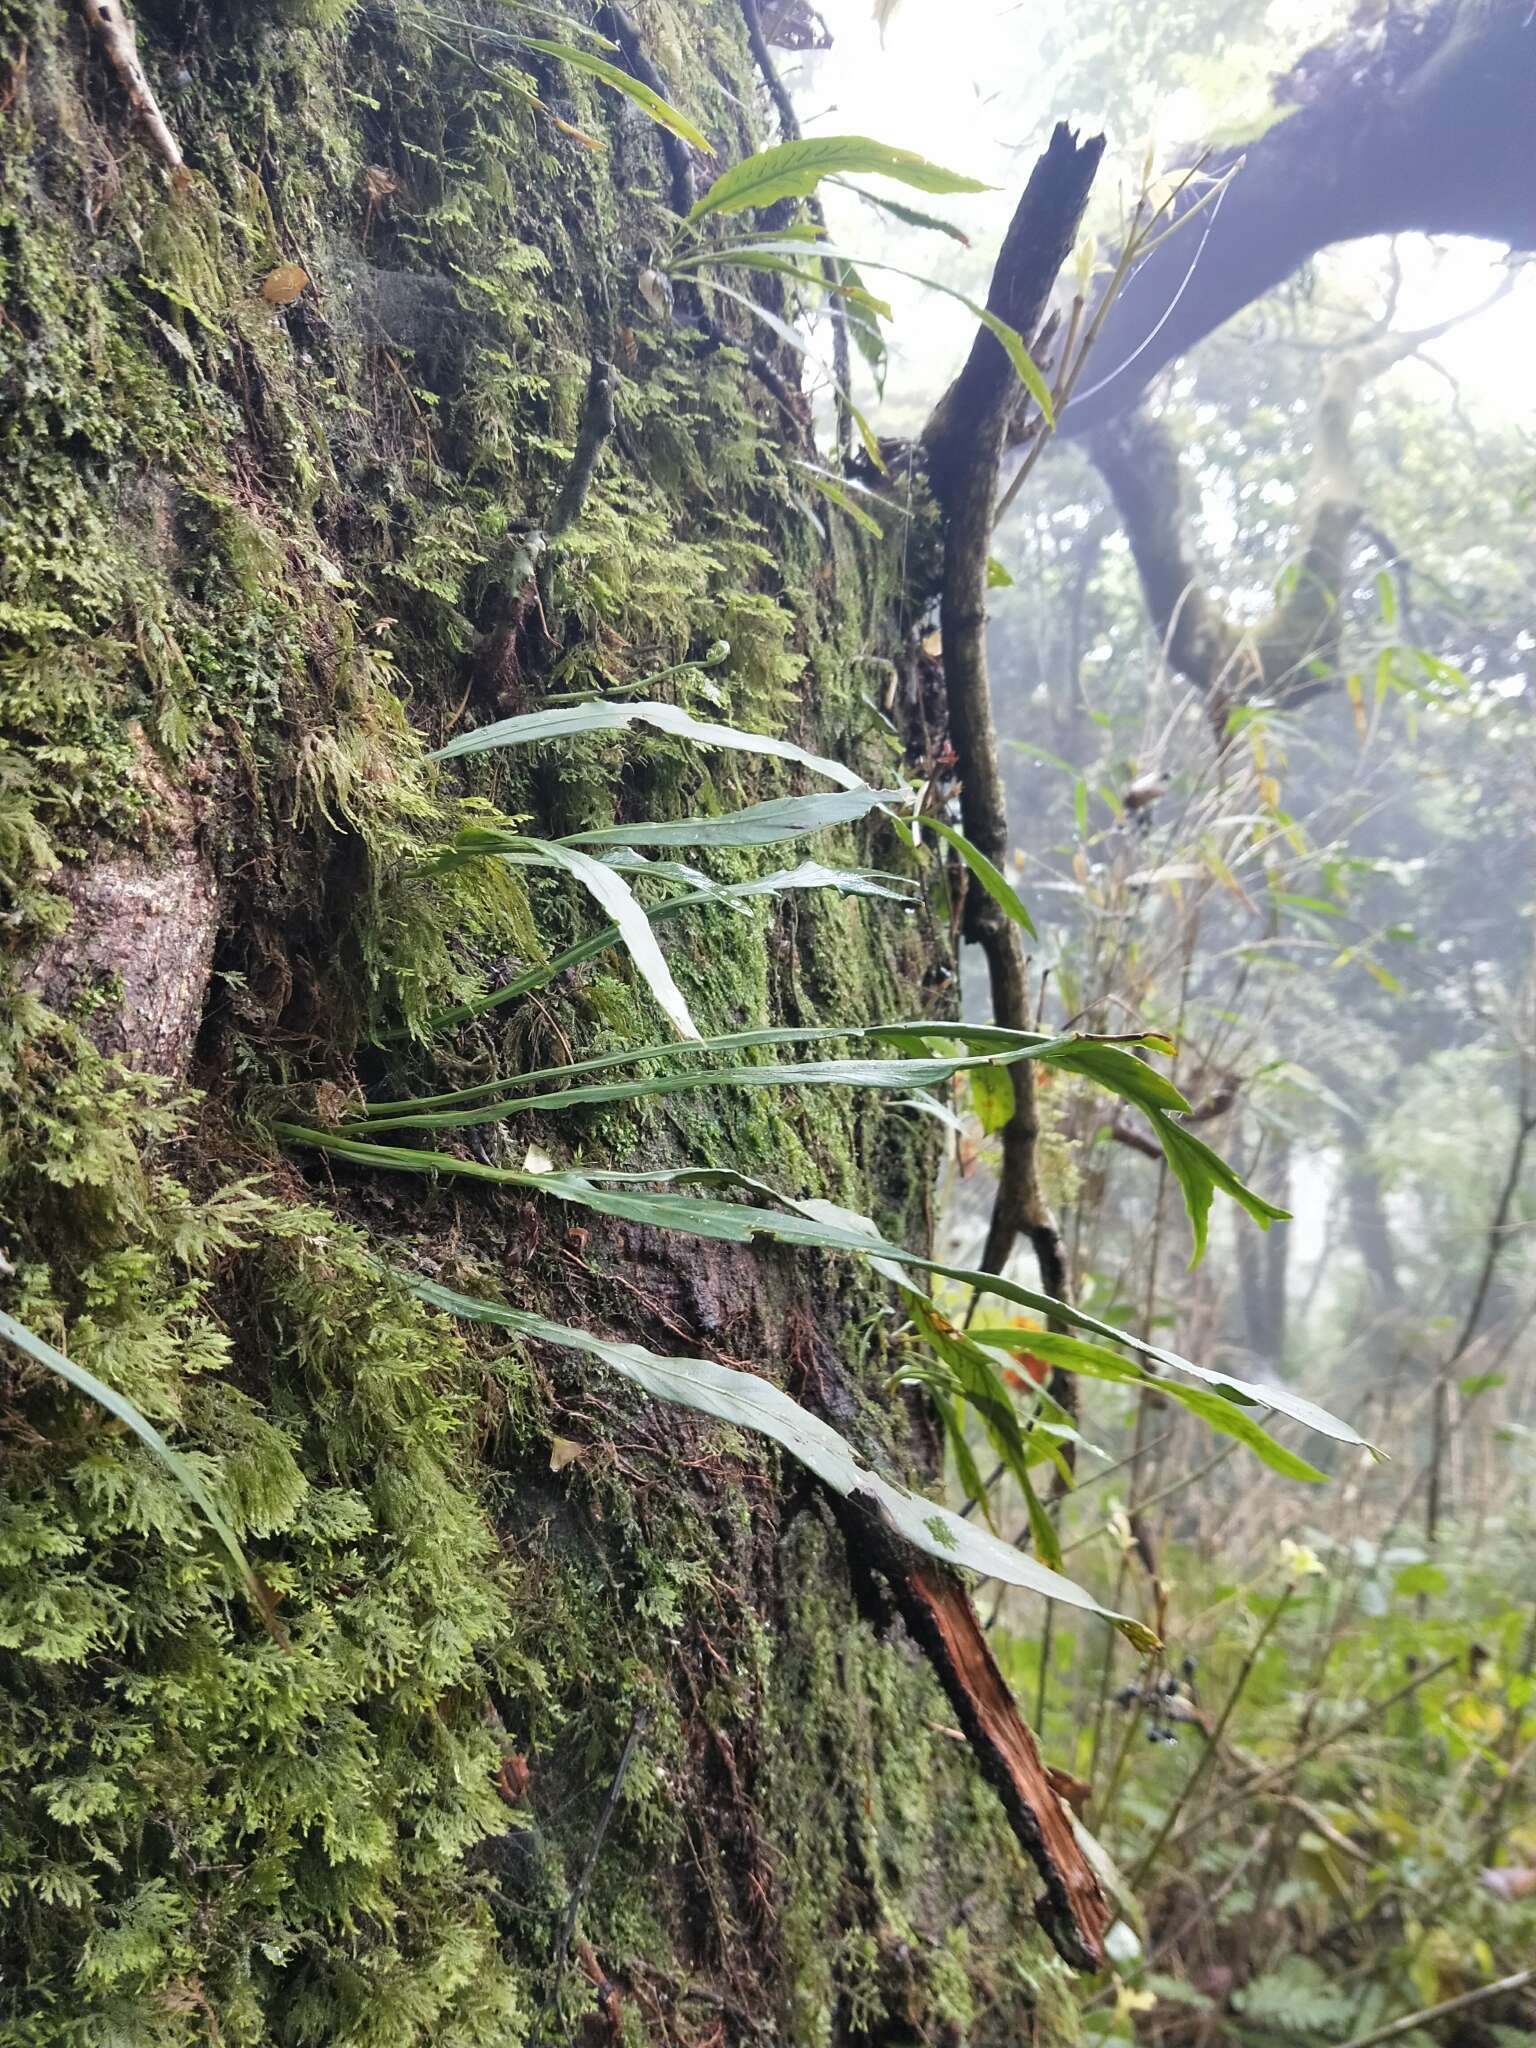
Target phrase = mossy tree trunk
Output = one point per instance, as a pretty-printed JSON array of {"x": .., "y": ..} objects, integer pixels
[{"x": 272, "y": 434}]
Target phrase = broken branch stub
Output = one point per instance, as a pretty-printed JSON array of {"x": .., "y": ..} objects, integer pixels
[{"x": 942, "y": 1621}]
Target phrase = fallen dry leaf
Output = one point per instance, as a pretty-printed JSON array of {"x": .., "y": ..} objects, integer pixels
[{"x": 284, "y": 284}]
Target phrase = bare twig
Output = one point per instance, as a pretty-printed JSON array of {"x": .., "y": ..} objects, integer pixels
[
  {"x": 1411, "y": 2022},
  {"x": 1213, "y": 1744},
  {"x": 1498, "y": 1233},
  {"x": 637, "y": 1729},
  {"x": 1264, "y": 1782}
]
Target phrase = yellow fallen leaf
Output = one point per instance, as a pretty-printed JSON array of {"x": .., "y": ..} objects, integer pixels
[
  {"x": 284, "y": 284},
  {"x": 563, "y": 1451}
]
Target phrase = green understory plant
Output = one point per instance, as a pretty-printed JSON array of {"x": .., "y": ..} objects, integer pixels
[{"x": 958, "y": 1369}]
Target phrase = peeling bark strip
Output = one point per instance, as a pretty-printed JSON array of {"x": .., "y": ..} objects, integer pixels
[
  {"x": 115, "y": 31},
  {"x": 941, "y": 1620}
]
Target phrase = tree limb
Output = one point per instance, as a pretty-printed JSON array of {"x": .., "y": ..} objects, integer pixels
[
  {"x": 637, "y": 61},
  {"x": 1415, "y": 122},
  {"x": 963, "y": 444},
  {"x": 1292, "y": 655}
]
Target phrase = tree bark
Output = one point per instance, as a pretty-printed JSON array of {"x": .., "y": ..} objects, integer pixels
[
  {"x": 1371, "y": 1231},
  {"x": 570, "y": 1676},
  {"x": 1262, "y": 1264}
]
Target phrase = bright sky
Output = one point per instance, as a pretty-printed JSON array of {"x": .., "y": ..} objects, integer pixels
[{"x": 959, "y": 81}]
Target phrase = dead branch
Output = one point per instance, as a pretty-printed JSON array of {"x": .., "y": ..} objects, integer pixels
[
  {"x": 963, "y": 444},
  {"x": 940, "y": 1618},
  {"x": 596, "y": 431},
  {"x": 578, "y": 1892},
  {"x": 115, "y": 33},
  {"x": 1411, "y": 2022}
]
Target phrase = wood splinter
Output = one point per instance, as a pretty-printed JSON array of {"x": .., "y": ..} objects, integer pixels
[
  {"x": 941, "y": 1620},
  {"x": 115, "y": 32}
]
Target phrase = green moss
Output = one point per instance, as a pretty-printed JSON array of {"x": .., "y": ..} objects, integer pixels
[{"x": 260, "y": 549}]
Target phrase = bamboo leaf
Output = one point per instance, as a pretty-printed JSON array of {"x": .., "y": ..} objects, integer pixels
[
  {"x": 610, "y": 889},
  {"x": 793, "y": 170},
  {"x": 992, "y": 1096},
  {"x": 977, "y": 1380},
  {"x": 564, "y": 21},
  {"x": 633, "y": 88},
  {"x": 1042, "y": 1529},
  {"x": 1200, "y": 1172},
  {"x": 764, "y": 824},
  {"x": 668, "y": 1049},
  {"x": 808, "y": 875},
  {"x": 571, "y": 721},
  {"x": 1027, "y": 369},
  {"x": 834, "y": 493},
  {"x": 730, "y": 1041},
  {"x": 42, "y": 1353},
  {"x": 972, "y": 1485},
  {"x": 809, "y": 1222},
  {"x": 748, "y": 1402},
  {"x": 1111, "y": 1064},
  {"x": 846, "y": 1073},
  {"x": 1095, "y": 1361},
  {"x": 991, "y": 879},
  {"x": 628, "y": 861},
  {"x": 801, "y": 346},
  {"x": 909, "y": 216},
  {"x": 841, "y": 285}
]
